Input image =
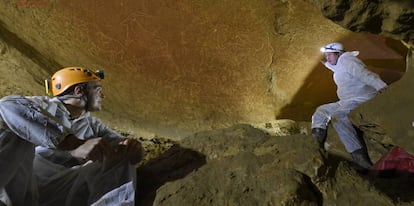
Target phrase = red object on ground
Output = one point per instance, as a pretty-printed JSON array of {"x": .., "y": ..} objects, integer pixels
[{"x": 397, "y": 159}]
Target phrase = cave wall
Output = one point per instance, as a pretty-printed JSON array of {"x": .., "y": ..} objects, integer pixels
[
  {"x": 385, "y": 17},
  {"x": 178, "y": 67}
]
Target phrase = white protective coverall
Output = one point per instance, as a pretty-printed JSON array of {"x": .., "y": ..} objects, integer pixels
[
  {"x": 355, "y": 85},
  {"x": 61, "y": 179}
]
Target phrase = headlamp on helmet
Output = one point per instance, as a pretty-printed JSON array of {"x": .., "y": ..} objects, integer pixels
[{"x": 333, "y": 47}]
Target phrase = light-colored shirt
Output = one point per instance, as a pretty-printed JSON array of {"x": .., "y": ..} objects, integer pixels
[{"x": 26, "y": 122}]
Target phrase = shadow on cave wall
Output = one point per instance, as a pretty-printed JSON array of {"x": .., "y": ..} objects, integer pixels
[
  {"x": 28, "y": 50},
  {"x": 175, "y": 163},
  {"x": 319, "y": 87}
]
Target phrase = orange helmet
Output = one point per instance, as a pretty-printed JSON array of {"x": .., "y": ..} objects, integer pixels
[{"x": 67, "y": 77}]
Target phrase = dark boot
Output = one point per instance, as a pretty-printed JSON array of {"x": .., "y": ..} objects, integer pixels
[
  {"x": 361, "y": 158},
  {"x": 320, "y": 135}
]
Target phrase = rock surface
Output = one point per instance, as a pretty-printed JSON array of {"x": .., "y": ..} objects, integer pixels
[
  {"x": 178, "y": 68},
  {"x": 184, "y": 67},
  {"x": 388, "y": 18},
  {"x": 246, "y": 166},
  {"x": 390, "y": 115}
]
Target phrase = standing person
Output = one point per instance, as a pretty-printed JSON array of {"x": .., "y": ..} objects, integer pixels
[
  {"x": 355, "y": 85},
  {"x": 84, "y": 162}
]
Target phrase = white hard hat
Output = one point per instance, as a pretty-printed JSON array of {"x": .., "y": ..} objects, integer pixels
[{"x": 333, "y": 47}]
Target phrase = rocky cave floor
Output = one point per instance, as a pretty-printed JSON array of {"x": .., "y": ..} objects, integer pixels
[{"x": 335, "y": 181}]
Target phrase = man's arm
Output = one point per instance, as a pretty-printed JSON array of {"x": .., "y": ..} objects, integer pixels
[
  {"x": 102, "y": 130},
  {"x": 31, "y": 122},
  {"x": 358, "y": 70},
  {"x": 91, "y": 149},
  {"x": 128, "y": 147},
  {"x": 124, "y": 147}
]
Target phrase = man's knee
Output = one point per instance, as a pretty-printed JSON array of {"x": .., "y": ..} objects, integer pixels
[
  {"x": 322, "y": 109},
  {"x": 339, "y": 116}
]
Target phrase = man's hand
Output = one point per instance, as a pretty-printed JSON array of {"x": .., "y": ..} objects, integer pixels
[
  {"x": 94, "y": 149},
  {"x": 132, "y": 149}
]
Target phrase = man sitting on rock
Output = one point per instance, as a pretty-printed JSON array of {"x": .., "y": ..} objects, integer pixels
[
  {"x": 355, "y": 85},
  {"x": 78, "y": 161}
]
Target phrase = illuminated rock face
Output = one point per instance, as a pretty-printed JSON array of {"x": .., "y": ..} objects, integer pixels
[{"x": 176, "y": 68}]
